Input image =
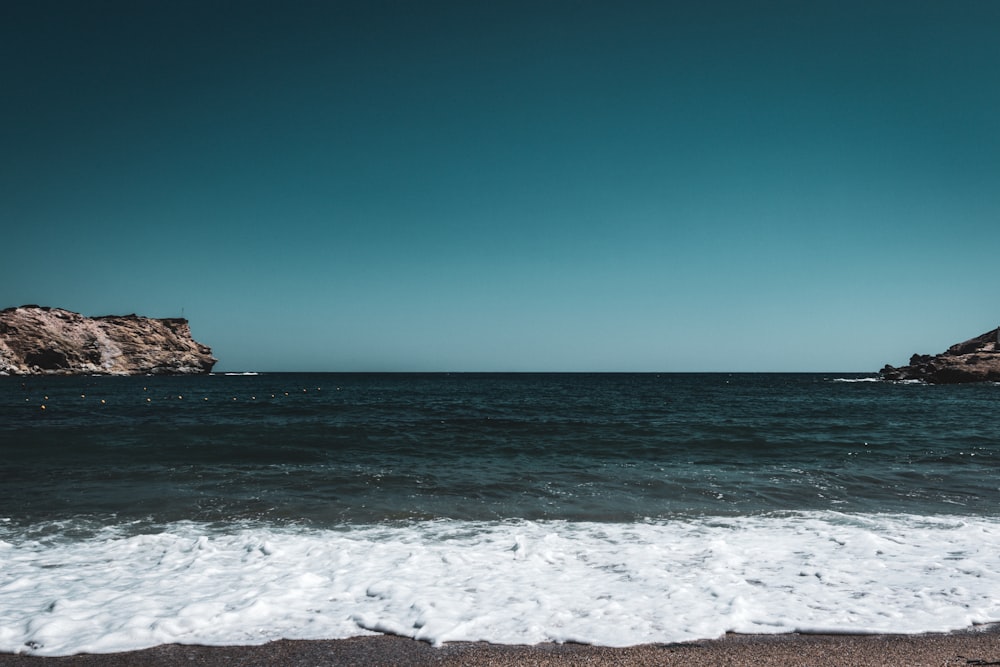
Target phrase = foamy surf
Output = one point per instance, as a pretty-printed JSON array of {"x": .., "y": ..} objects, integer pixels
[{"x": 512, "y": 582}]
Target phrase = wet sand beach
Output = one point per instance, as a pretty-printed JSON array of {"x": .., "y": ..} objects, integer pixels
[{"x": 974, "y": 647}]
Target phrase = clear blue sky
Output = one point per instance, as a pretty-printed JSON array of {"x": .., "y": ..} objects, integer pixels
[{"x": 504, "y": 186}]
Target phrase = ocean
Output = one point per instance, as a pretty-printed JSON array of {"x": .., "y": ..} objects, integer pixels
[{"x": 611, "y": 509}]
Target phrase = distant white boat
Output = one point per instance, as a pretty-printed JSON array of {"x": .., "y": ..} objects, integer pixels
[{"x": 243, "y": 373}]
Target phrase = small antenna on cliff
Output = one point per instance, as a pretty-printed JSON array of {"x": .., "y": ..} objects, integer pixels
[{"x": 182, "y": 312}]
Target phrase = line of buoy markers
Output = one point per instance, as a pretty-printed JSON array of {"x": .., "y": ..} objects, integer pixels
[{"x": 180, "y": 397}]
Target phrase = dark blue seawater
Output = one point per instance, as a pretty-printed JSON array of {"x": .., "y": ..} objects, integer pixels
[
  {"x": 333, "y": 449},
  {"x": 601, "y": 508}
]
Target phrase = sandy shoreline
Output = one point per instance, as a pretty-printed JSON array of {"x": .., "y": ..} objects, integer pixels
[{"x": 974, "y": 647}]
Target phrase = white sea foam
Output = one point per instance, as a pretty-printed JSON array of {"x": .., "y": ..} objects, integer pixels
[{"x": 505, "y": 582}]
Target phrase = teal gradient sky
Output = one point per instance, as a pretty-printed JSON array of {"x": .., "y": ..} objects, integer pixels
[{"x": 507, "y": 186}]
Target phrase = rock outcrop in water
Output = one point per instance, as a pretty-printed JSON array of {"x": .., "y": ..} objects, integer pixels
[
  {"x": 975, "y": 360},
  {"x": 37, "y": 340}
]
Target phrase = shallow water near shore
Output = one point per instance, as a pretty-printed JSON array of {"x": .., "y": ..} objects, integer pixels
[{"x": 614, "y": 509}]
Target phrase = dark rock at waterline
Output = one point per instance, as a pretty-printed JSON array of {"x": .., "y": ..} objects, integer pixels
[
  {"x": 39, "y": 340},
  {"x": 974, "y": 360}
]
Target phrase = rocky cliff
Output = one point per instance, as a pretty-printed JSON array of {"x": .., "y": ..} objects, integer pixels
[
  {"x": 975, "y": 360},
  {"x": 36, "y": 340}
]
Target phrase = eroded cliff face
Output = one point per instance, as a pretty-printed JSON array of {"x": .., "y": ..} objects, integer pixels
[
  {"x": 975, "y": 360},
  {"x": 37, "y": 340}
]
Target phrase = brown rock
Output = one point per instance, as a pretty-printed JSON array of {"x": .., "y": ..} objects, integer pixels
[
  {"x": 974, "y": 360},
  {"x": 37, "y": 340}
]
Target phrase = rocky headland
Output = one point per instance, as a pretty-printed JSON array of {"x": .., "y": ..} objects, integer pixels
[
  {"x": 38, "y": 340},
  {"x": 975, "y": 360}
]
